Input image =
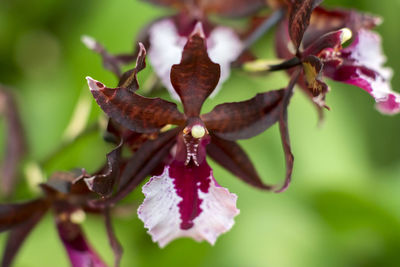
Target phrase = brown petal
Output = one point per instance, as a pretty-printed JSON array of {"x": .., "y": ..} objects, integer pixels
[
  {"x": 283, "y": 128},
  {"x": 143, "y": 162},
  {"x": 242, "y": 120},
  {"x": 12, "y": 215},
  {"x": 103, "y": 184},
  {"x": 196, "y": 76},
  {"x": 233, "y": 158},
  {"x": 325, "y": 20},
  {"x": 17, "y": 236},
  {"x": 16, "y": 144},
  {"x": 299, "y": 18},
  {"x": 137, "y": 113},
  {"x": 129, "y": 78}
]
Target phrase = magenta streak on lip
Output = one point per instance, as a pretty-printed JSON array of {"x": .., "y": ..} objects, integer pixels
[{"x": 188, "y": 180}]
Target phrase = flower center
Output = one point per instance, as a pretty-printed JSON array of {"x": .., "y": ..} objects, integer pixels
[{"x": 198, "y": 131}]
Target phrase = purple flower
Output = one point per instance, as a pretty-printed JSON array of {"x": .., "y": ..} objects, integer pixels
[
  {"x": 321, "y": 53},
  {"x": 68, "y": 201},
  {"x": 184, "y": 199}
]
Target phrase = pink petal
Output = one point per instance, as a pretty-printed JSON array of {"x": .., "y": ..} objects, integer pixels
[
  {"x": 186, "y": 201},
  {"x": 79, "y": 250},
  {"x": 166, "y": 47},
  {"x": 362, "y": 65}
]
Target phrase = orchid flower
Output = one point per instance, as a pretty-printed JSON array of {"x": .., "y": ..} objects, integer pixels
[
  {"x": 64, "y": 199},
  {"x": 316, "y": 42},
  {"x": 68, "y": 196},
  {"x": 165, "y": 38},
  {"x": 185, "y": 199}
]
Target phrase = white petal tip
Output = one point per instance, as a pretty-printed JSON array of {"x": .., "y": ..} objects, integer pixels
[
  {"x": 346, "y": 35},
  {"x": 198, "y": 30},
  {"x": 93, "y": 84},
  {"x": 89, "y": 42}
]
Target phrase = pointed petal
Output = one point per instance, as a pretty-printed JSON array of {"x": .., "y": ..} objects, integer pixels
[
  {"x": 195, "y": 78},
  {"x": 79, "y": 251},
  {"x": 12, "y": 215},
  {"x": 328, "y": 20},
  {"x": 284, "y": 131},
  {"x": 186, "y": 202},
  {"x": 333, "y": 40},
  {"x": 299, "y": 19},
  {"x": 103, "y": 184},
  {"x": 17, "y": 237},
  {"x": 143, "y": 162},
  {"x": 138, "y": 113},
  {"x": 361, "y": 64},
  {"x": 242, "y": 120},
  {"x": 129, "y": 79},
  {"x": 233, "y": 158},
  {"x": 224, "y": 46},
  {"x": 16, "y": 143}
]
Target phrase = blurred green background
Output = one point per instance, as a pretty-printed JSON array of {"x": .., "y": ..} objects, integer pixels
[{"x": 342, "y": 209}]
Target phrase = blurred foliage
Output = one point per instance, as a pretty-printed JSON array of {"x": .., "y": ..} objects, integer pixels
[{"x": 342, "y": 209}]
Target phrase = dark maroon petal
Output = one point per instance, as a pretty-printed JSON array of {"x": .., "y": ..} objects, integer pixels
[
  {"x": 66, "y": 183},
  {"x": 143, "y": 162},
  {"x": 333, "y": 40},
  {"x": 186, "y": 201},
  {"x": 16, "y": 144},
  {"x": 195, "y": 78},
  {"x": 283, "y": 128},
  {"x": 169, "y": 36},
  {"x": 12, "y": 215},
  {"x": 233, "y": 158},
  {"x": 79, "y": 251},
  {"x": 242, "y": 120},
  {"x": 299, "y": 18},
  {"x": 129, "y": 78},
  {"x": 324, "y": 21},
  {"x": 17, "y": 236},
  {"x": 103, "y": 184},
  {"x": 138, "y": 113},
  {"x": 282, "y": 41},
  {"x": 114, "y": 243}
]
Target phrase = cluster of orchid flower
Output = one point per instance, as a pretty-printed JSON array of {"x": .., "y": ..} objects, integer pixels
[{"x": 192, "y": 58}]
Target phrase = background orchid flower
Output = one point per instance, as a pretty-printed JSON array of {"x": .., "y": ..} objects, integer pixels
[
  {"x": 68, "y": 201},
  {"x": 165, "y": 38},
  {"x": 186, "y": 200},
  {"x": 316, "y": 40}
]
